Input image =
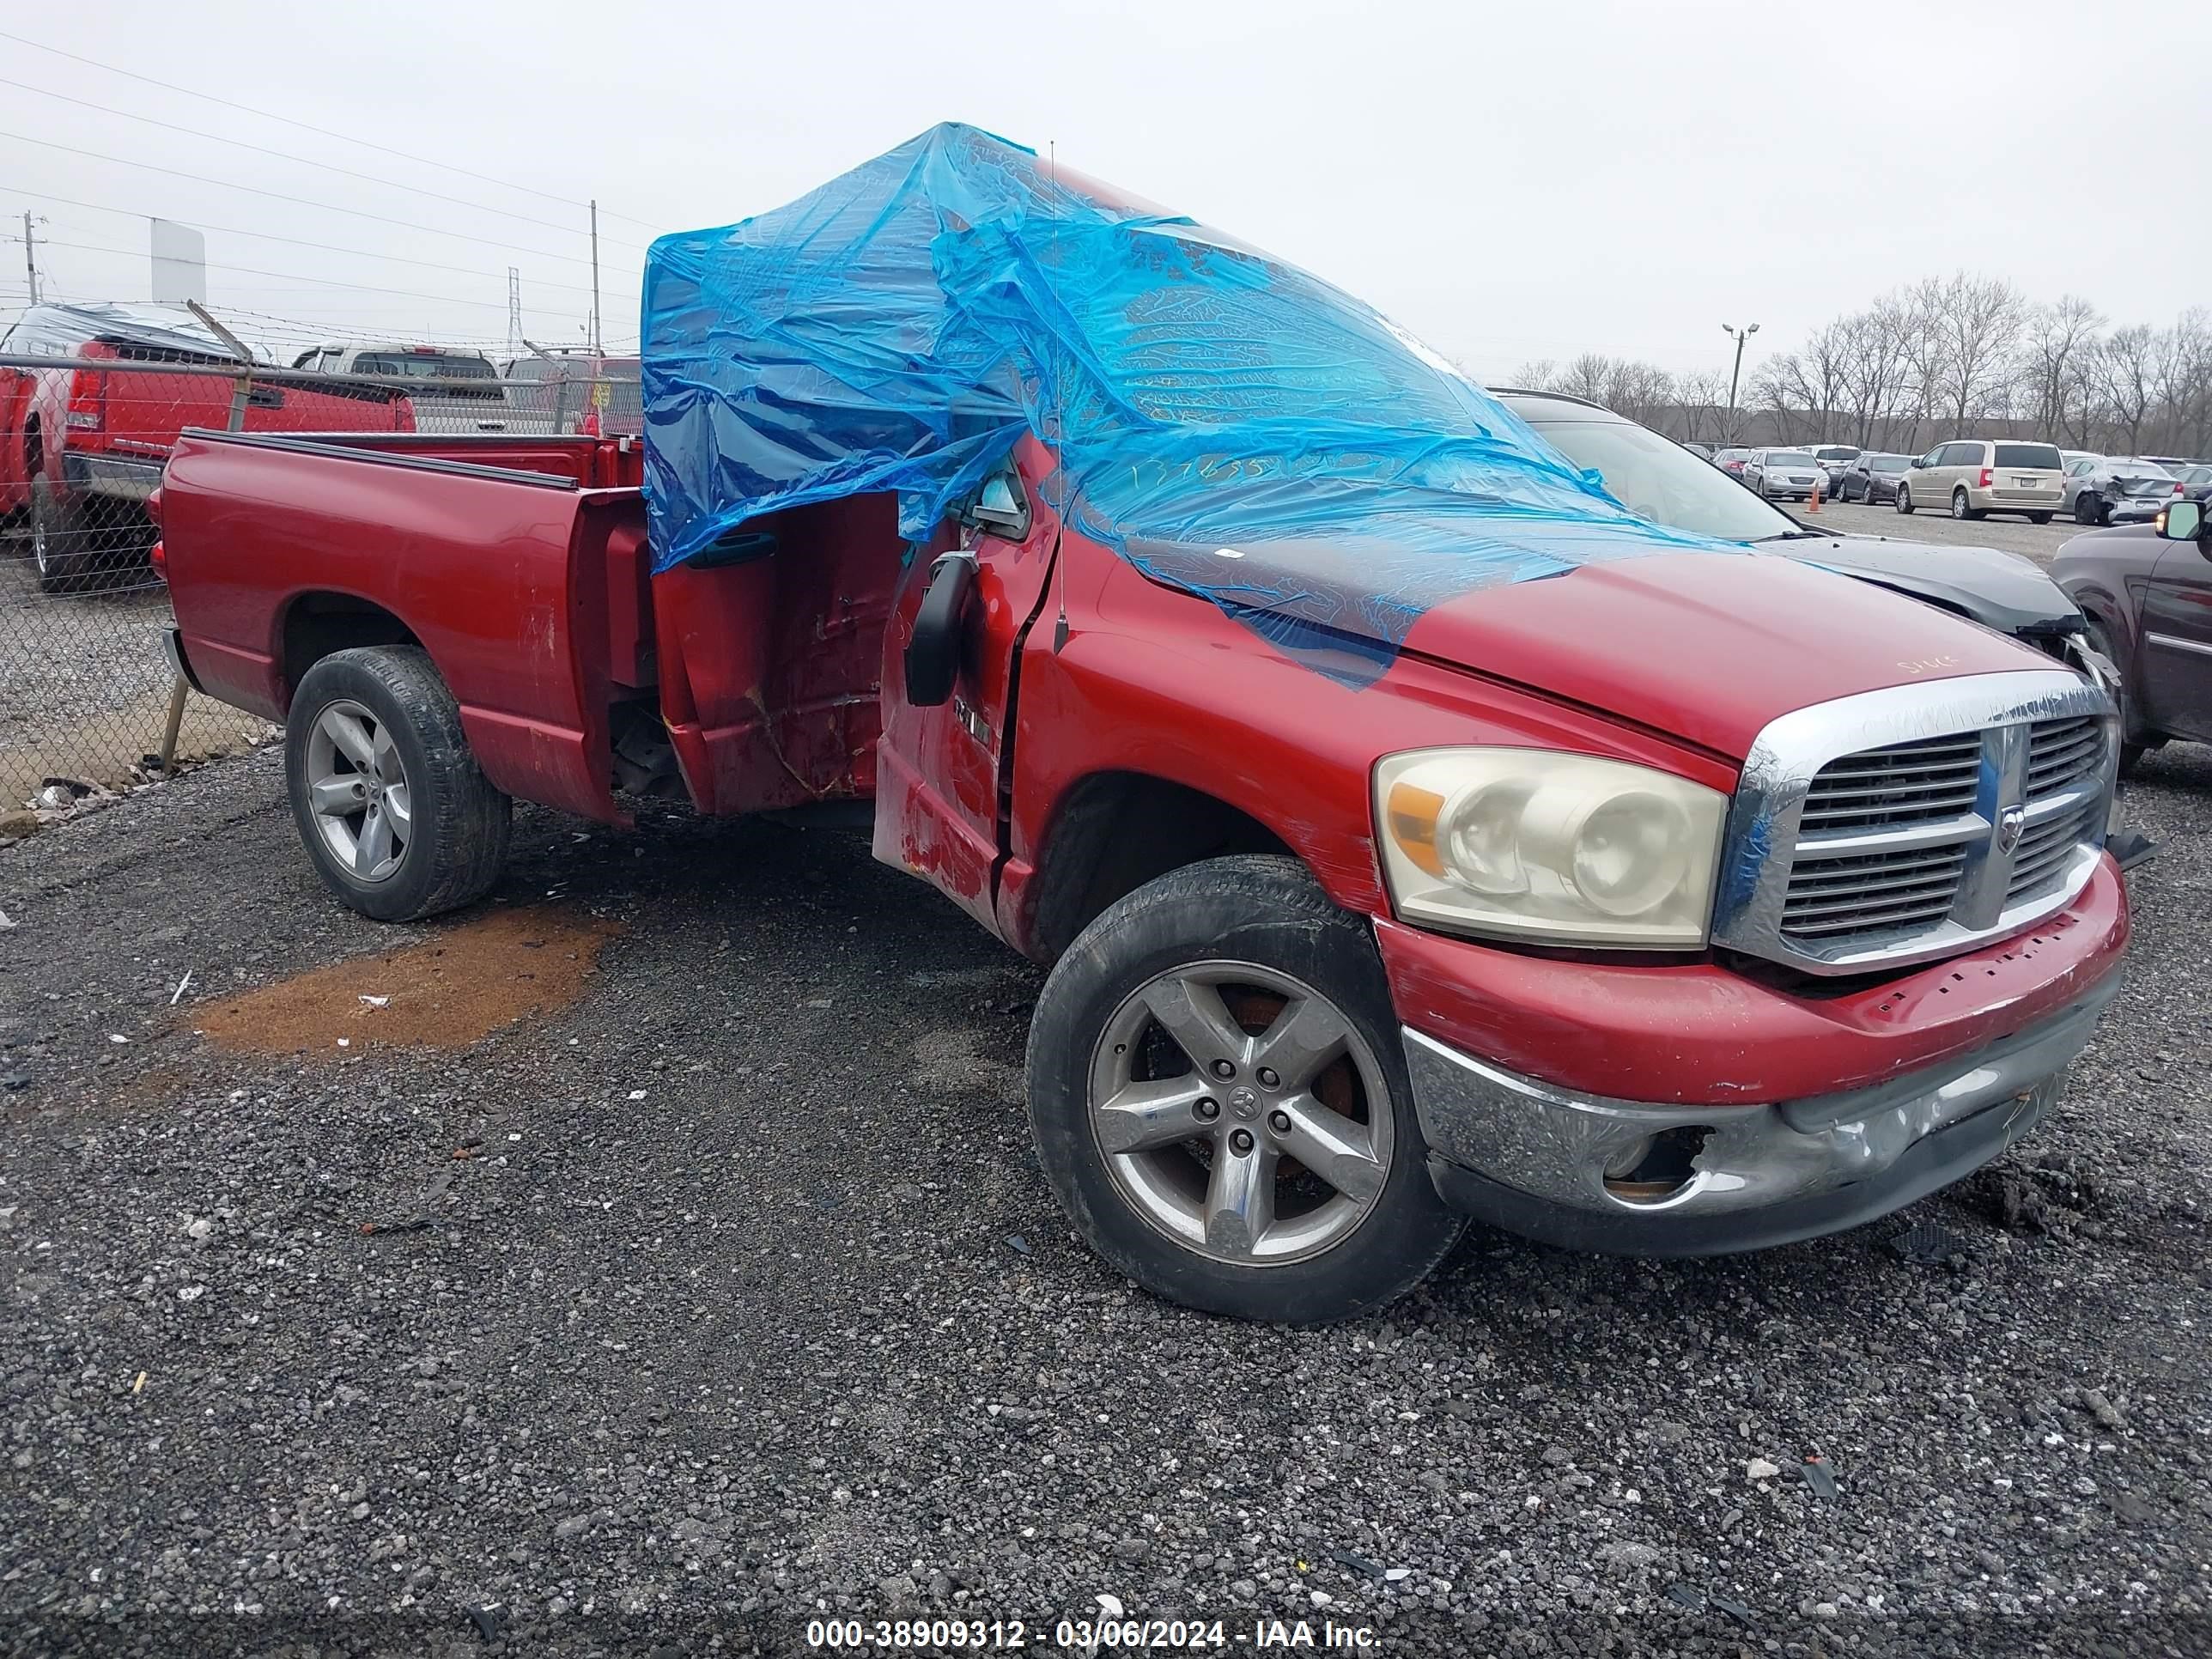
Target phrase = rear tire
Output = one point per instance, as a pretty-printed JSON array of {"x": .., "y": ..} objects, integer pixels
[
  {"x": 66, "y": 545},
  {"x": 2039, "y": 517},
  {"x": 1240, "y": 946},
  {"x": 379, "y": 721},
  {"x": 1961, "y": 508},
  {"x": 1903, "y": 499}
]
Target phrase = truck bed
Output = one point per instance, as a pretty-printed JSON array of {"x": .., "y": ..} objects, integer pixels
[{"x": 518, "y": 562}]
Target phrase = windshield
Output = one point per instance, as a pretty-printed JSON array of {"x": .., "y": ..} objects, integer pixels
[
  {"x": 1654, "y": 480},
  {"x": 2141, "y": 470},
  {"x": 1837, "y": 452},
  {"x": 1788, "y": 458},
  {"x": 424, "y": 365},
  {"x": 1889, "y": 463}
]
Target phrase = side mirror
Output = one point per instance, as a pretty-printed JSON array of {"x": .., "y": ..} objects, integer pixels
[
  {"x": 933, "y": 655},
  {"x": 2181, "y": 521},
  {"x": 1002, "y": 508}
]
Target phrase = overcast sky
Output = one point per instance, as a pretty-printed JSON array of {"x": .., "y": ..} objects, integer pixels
[{"x": 1511, "y": 182}]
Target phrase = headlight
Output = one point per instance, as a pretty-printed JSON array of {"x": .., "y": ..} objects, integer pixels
[{"x": 1535, "y": 845}]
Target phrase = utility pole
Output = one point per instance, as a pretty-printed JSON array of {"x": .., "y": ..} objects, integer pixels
[
  {"x": 31, "y": 258},
  {"x": 595, "y": 276},
  {"x": 1742, "y": 339},
  {"x": 514, "y": 313}
]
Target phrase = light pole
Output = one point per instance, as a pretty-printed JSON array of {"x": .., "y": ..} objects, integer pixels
[{"x": 1742, "y": 337}]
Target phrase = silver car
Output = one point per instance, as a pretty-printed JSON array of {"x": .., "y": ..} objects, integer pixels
[
  {"x": 2117, "y": 489},
  {"x": 1783, "y": 475}
]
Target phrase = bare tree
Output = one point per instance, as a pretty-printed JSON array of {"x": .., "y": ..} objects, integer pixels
[
  {"x": 1701, "y": 406},
  {"x": 1976, "y": 325},
  {"x": 2127, "y": 375},
  {"x": 1873, "y": 369},
  {"x": 2059, "y": 344},
  {"x": 2182, "y": 370}
]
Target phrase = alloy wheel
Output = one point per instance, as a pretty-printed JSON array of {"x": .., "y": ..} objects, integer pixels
[
  {"x": 1241, "y": 1114},
  {"x": 357, "y": 786}
]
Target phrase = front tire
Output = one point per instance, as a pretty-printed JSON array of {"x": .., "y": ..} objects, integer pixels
[
  {"x": 394, "y": 811},
  {"x": 1220, "y": 1100},
  {"x": 1905, "y": 499},
  {"x": 2132, "y": 743}
]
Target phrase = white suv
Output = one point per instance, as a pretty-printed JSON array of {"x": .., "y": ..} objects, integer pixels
[{"x": 1977, "y": 476}]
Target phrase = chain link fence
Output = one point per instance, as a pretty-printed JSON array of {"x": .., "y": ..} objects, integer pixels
[{"x": 89, "y": 701}]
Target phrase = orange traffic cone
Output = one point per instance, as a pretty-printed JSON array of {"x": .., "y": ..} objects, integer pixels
[{"x": 1813, "y": 504}]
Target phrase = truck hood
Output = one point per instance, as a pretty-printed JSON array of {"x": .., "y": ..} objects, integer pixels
[
  {"x": 1707, "y": 648},
  {"x": 2002, "y": 591}
]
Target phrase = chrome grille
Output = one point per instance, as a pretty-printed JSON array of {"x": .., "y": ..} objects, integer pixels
[
  {"x": 2044, "y": 850},
  {"x": 1907, "y": 783},
  {"x": 2062, "y": 752},
  {"x": 1875, "y": 890},
  {"x": 1981, "y": 816}
]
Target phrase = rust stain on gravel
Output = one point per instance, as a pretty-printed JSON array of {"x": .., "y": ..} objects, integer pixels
[{"x": 444, "y": 993}]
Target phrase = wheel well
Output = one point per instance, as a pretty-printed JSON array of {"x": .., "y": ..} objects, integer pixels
[
  {"x": 316, "y": 625},
  {"x": 1115, "y": 831}
]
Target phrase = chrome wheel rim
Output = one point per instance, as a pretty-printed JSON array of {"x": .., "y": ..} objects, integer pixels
[
  {"x": 357, "y": 791},
  {"x": 1240, "y": 1113},
  {"x": 39, "y": 542}
]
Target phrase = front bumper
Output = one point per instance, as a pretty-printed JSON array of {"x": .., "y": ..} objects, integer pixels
[{"x": 1534, "y": 1159}]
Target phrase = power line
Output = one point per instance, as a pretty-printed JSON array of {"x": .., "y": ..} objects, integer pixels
[
  {"x": 318, "y": 281},
  {"x": 304, "y": 160},
  {"x": 266, "y": 236},
  {"x": 285, "y": 120},
  {"x": 297, "y": 201}
]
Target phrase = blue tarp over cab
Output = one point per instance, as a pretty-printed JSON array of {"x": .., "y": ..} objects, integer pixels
[{"x": 1227, "y": 422}]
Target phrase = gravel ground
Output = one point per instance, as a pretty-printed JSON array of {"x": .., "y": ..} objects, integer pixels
[
  {"x": 748, "y": 1304},
  {"x": 2038, "y": 542}
]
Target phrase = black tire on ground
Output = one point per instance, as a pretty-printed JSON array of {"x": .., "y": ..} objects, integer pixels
[
  {"x": 1266, "y": 911},
  {"x": 2132, "y": 743},
  {"x": 2039, "y": 517},
  {"x": 68, "y": 544},
  {"x": 2086, "y": 508},
  {"x": 458, "y": 822},
  {"x": 1962, "y": 506},
  {"x": 1903, "y": 500}
]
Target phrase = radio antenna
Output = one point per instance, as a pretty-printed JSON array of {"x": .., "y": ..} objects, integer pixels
[{"x": 1060, "y": 401}]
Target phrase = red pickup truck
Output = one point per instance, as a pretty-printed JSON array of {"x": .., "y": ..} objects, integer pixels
[
  {"x": 82, "y": 448},
  {"x": 1680, "y": 900}
]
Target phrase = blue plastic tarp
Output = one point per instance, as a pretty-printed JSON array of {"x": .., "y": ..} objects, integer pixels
[{"x": 1227, "y": 421}]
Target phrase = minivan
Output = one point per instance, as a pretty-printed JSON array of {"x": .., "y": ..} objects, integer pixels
[{"x": 1977, "y": 476}]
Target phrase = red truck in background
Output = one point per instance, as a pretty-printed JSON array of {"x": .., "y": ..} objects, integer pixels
[
  {"x": 1267, "y": 1078},
  {"x": 82, "y": 448}
]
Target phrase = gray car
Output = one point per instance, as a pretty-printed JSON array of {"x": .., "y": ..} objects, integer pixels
[
  {"x": 1872, "y": 477},
  {"x": 1783, "y": 475},
  {"x": 2115, "y": 488}
]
